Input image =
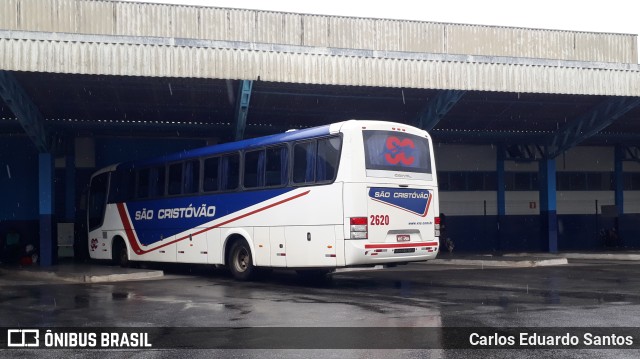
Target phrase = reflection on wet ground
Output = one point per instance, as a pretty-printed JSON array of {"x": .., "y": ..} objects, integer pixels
[{"x": 577, "y": 295}]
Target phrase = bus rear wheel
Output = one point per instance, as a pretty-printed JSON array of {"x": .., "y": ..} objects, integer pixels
[{"x": 241, "y": 261}]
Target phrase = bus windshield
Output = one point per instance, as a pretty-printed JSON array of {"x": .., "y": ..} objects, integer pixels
[{"x": 395, "y": 151}]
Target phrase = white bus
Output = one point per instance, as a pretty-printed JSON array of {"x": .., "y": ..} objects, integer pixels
[{"x": 349, "y": 194}]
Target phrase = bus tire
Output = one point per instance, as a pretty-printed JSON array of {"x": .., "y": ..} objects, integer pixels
[
  {"x": 241, "y": 261},
  {"x": 119, "y": 253}
]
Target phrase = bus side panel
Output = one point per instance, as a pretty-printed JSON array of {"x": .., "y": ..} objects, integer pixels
[
  {"x": 99, "y": 244},
  {"x": 278, "y": 248},
  {"x": 288, "y": 218},
  {"x": 214, "y": 244},
  {"x": 101, "y": 238},
  {"x": 261, "y": 244},
  {"x": 168, "y": 253},
  {"x": 340, "y": 260},
  {"x": 309, "y": 231},
  {"x": 194, "y": 249},
  {"x": 310, "y": 246}
]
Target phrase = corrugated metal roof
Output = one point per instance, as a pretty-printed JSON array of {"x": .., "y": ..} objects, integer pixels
[
  {"x": 159, "y": 20},
  {"x": 172, "y": 57}
]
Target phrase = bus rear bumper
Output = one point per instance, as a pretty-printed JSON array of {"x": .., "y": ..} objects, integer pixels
[{"x": 362, "y": 252}]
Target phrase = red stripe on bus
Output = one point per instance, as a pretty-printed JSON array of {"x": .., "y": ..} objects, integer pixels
[
  {"x": 401, "y": 245},
  {"x": 128, "y": 228},
  {"x": 136, "y": 248}
]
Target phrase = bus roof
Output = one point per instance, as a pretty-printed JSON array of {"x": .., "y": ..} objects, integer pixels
[{"x": 232, "y": 146}]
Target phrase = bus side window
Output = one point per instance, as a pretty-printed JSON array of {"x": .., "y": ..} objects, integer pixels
[
  {"x": 304, "y": 159},
  {"x": 254, "y": 169},
  {"x": 175, "y": 178},
  {"x": 156, "y": 183},
  {"x": 210, "y": 180},
  {"x": 229, "y": 172},
  {"x": 122, "y": 186},
  {"x": 142, "y": 189},
  {"x": 191, "y": 177},
  {"x": 276, "y": 167},
  {"x": 328, "y": 156}
]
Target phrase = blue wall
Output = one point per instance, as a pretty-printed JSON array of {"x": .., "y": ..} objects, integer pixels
[
  {"x": 522, "y": 233},
  {"x": 18, "y": 179}
]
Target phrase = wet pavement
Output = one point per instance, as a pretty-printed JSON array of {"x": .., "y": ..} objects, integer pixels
[{"x": 583, "y": 293}]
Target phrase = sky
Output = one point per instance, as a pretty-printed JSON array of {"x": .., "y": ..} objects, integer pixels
[{"x": 612, "y": 16}]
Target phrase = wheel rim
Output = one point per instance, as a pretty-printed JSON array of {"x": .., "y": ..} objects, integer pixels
[{"x": 242, "y": 258}]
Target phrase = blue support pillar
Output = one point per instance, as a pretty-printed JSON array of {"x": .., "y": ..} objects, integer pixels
[
  {"x": 70, "y": 188},
  {"x": 548, "y": 215},
  {"x": 242, "y": 108},
  {"x": 501, "y": 197},
  {"x": 45, "y": 184},
  {"x": 618, "y": 181}
]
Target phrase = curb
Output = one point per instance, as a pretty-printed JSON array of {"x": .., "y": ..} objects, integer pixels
[
  {"x": 611, "y": 256},
  {"x": 502, "y": 263},
  {"x": 81, "y": 278},
  {"x": 608, "y": 256}
]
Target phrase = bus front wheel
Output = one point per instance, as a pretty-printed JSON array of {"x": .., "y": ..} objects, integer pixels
[
  {"x": 241, "y": 261},
  {"x": 119, "y": 253}
]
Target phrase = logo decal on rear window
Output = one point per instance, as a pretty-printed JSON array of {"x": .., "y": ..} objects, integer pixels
[{"x": 396, "y": 150}]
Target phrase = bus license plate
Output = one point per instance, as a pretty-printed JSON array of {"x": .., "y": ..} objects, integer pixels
[{"x": 403, "y": 238}]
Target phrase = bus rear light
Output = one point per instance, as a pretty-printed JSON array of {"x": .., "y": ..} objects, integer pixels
[
  {"x": 358, "y": 220},
  {"x": 436, "y": 226},
  {"x": 358, "y": 227}
]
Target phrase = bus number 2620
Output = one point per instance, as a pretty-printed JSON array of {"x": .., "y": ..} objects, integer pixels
[{"x": 379, "y": 220}]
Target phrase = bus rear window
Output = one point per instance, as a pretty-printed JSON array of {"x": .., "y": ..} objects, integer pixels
[{"x": 396, "y": 151}]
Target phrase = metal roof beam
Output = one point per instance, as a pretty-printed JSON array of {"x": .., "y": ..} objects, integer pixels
[
  {"x": 631, "y": 153},
  {"x": 25, "y": 110},
  {"x": 590, "y": 124},
  {"x": 438, "y": 107},
  {"x": 242, "y": 108}
]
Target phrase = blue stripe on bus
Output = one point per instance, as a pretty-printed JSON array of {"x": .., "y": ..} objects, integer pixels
[
  {"x": 232, "y": 146},
  {"x": 155, "y": 220},
  {"x": 415, "y": 201}
]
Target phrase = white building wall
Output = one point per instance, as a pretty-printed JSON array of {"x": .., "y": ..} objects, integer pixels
[
  {"x": 587, "y": 159},
  {"x": 468, "y": 203},
  {"x": 483, "y": 158},
  {"x": 522, "y": 203},
  {"x": 583, "y": 202},
  {"x": 465, "y": 158}
]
